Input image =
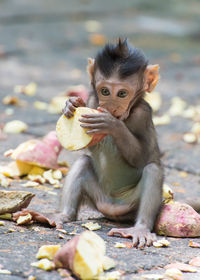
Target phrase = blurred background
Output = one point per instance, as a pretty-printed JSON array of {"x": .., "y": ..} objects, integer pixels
[{"x": 45, "y": 45}]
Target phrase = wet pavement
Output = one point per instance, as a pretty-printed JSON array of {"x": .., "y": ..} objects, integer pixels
[{"x": 48, "y": 43}]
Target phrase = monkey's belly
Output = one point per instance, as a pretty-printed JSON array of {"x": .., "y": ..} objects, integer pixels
[{"x": 117, "y": 178}]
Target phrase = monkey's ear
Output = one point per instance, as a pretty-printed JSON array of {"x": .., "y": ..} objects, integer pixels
[
  {"x": 90, "y": 67},
  {"x": 151, "y": 77}
]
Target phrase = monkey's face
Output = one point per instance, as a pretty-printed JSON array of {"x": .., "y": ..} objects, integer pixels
[{"x": 114, "y": 94}]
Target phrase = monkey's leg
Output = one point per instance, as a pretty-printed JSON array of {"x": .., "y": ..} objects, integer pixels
[
  {"x": 150, "y": 202},
  {"x": 81, "y": 181}
]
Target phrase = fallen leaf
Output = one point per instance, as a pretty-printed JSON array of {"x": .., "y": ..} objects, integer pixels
[
  {"x": 194, "y": 244},
  {"x": 181, "y": 266},
  {"x": 15, "y": 126},
  {"x": 91, "y": 226},
  {"x": 12, "y": 201},
  {"x": 6, "y": 216}
]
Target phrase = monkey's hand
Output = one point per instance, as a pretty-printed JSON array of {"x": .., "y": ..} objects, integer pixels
[
  {"x": 140, "y": 235},
  {"x": 53, "y": 219},
  {"x": 71, "y": 104},
  {"x": 102, "y": 123}
]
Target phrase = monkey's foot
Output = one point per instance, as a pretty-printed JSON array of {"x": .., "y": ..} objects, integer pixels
[{"x": 141, "y": 236}]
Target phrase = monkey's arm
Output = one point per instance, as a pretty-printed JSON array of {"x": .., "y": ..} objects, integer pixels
[{"x": 130, "y": 137}]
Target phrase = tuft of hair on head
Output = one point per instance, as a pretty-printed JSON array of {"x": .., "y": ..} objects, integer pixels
[{"x": 121, "y": 58}]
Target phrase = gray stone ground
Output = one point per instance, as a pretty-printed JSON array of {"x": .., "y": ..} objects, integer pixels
[{"x": 48, "y": 42}]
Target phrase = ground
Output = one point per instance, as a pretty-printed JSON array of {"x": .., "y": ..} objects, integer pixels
[{"x": 49, "y": 43}]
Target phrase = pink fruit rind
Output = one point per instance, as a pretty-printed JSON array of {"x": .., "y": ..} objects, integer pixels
[
  {"x": 44, "y": 153},
  {"x": 178, "y": 220}
]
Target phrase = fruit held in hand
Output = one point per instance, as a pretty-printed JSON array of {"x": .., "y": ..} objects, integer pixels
[{"x": 71, "y": 135}]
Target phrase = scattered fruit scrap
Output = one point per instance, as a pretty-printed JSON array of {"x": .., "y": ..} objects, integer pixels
[
  {"x": 182, "y": 267},
  {"x": 15, "y": 126},
  {"x": 161, "y": 243},
  {"x": 28, "y": 90},
  {"x": 91, "y": 226},
  {"x": 84, "y": 255},
  {"x": 194, "y": 244}
]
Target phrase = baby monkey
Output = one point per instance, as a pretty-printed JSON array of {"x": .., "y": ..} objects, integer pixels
[{"x": 122, "y": 175}]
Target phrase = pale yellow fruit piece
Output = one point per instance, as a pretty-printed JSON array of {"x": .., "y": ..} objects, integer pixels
[
  {"x": 69, "y": 132},
  {"x": 161, "y": 243},
  {"x": 30, "y": 184},
  {"x": 15, "y": 169},
  {"x": 173, "y": 273},
  {"x": 47, "y": 251},
  {"x": 167, "y": 193},
  {"x": 5, "y": 271},
  {"x": 24, "y": 219},
  {"x": 2, "y": 223},
  {"x": 91, "y": 226},
  {"x": 89, "y": 255},
  {"x": 161, "y": 120},
  {"x": 154, "y": 100},
  {"x": 113, "y": 275},
  {"x": 15, "y": 126},
  {"x": 57, "y": 104},
  {"x": 44, "y": 264},
  {"x": 57, "y": 174},
  {"x": 108, "y": 263},
  {"x": 190, "y": 138},
  {"x": 36, "y": 170},
  {"x": 40, "y": 105},
  {"x": 178, "y": 106},
  {"x": 48, "y": 175},
  {"x": 119, "y": 245}
]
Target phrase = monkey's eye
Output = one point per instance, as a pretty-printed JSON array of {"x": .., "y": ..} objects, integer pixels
[
  {"x": 105, "y": 92},
  {"x": 122, "y": 93}
]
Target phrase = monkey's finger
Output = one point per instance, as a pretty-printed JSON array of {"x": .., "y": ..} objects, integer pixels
[
  {"x": 101, "y": 109},
  {"x": 93, "y": 126},
  {"x": 142, "y": 242},
  {"x": 95, "y": 131},
  {"x": 149, "y": 240},
  {"x": 93, "y": 120},
  {"x": 135, "y": 240},
  {"x": 94, "y": 116}
]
